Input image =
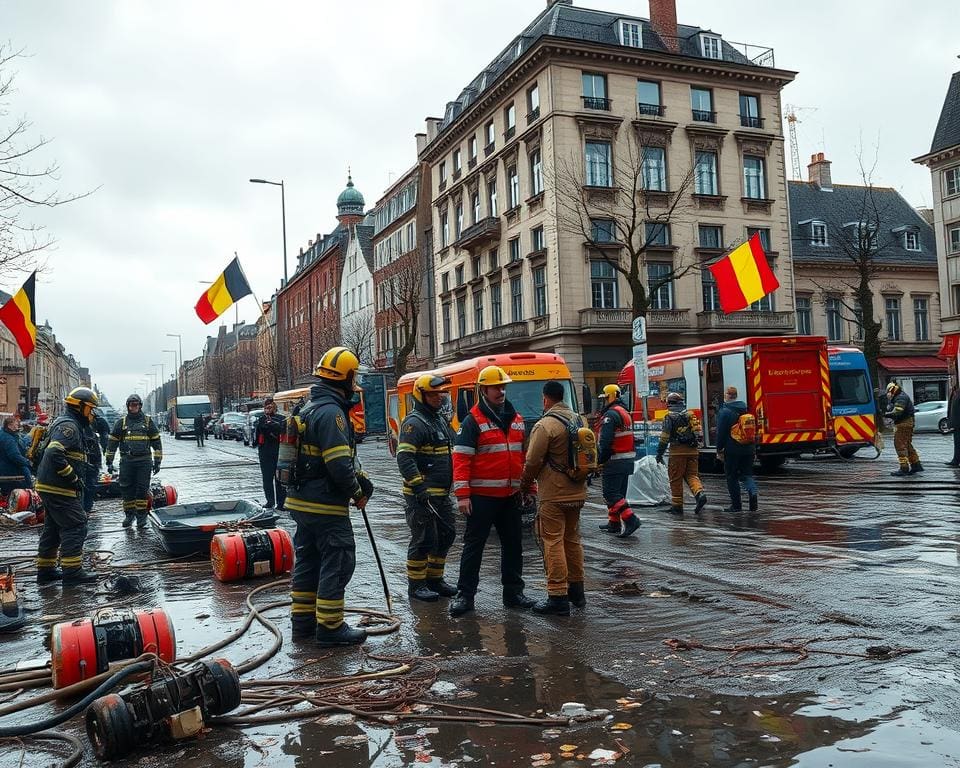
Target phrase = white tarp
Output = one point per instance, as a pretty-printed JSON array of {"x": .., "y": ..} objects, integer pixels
[{"x": 649, "y": 484}]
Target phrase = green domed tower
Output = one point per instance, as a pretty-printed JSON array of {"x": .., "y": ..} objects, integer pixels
[{"x": 350, "y": 204}]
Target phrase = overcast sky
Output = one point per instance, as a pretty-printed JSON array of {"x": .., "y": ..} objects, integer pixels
[{"x": 167, "y": 109}]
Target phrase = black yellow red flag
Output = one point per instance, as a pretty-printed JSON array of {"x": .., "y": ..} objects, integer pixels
[
  {"x": 20, "y": 316},
  {"x": 230, "y": 287}
]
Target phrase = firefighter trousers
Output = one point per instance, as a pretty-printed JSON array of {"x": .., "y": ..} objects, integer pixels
[
  {"x": 431, "y": 536},
  {"x": 558, "y": 526},
  {"x": 613, "y": 486},
  {"x": 683, "y": 467},
  {"x": 504, "y": 515},
  {"x": 64, "y": 529},
  {"x": 134, "y": 486},
  {"x": 903, "y": 443},
  {"x": 324, "y": 560}
]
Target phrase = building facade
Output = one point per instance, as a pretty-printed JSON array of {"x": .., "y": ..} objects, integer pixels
[
  {"x": 583, "y": 118},
  {"x": 943, "y": 160},
  {"x": 826, "y": 222}
]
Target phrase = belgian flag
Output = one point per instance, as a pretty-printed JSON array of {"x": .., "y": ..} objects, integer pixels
[
  {"x": 20, "y": 316},
  {"x": 230, "y": 287}
]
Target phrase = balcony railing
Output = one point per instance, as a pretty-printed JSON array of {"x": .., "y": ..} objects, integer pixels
[
  {"x": 651, "y": 110},
  {"x": 489, "y": 337},
  {"x": 596, "y": 102},
  {"x": 622, "y": 319},
  {"x": 704, "y": 116},
  {"x": 533, "y": 115},
  {"x": 483, "y": 231},
  {"x": 772, "y": 321},
  {"x": 668, "y": 318},
  {"x": 748, "y": 121}
]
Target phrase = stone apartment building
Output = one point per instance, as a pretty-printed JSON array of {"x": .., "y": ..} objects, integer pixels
[
  {"x": 589, "y": 92},
  {"x": 825, "y": 220},
  {"x": 943, "y": 160}
]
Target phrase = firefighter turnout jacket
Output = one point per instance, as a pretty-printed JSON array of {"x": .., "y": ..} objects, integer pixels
[
  {"x": 64, "y": 462},
  {"x": 615, "y": 449},
  {"x": 423, "y": 453},
  {"x": 901, "y": 408},
  {"x": 326, "y": 478},
  {"x": 135, "y": 435},
  {"x": 489, "y": 452}
]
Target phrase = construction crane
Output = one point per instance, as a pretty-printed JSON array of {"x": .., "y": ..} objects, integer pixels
[{"x": 792, "y": 120}]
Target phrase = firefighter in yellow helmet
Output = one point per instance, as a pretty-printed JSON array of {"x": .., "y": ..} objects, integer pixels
[
  {"x": 900, "y": 410},
  {"x": 424, "y": 460},
  {"x": 616, "y": 452},
  {"x": 321, "y": 484},
  {"x": 60, "y": 478}
]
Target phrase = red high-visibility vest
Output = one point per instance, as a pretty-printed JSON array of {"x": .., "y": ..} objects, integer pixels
[
  {"x": 623, "y": 447},
  {"x": 492, "y": 467}
]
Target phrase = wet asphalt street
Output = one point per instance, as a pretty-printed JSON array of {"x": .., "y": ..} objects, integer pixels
[{"x": 840, "y": 559}]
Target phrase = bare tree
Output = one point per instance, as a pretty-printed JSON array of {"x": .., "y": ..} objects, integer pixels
[
  {"x": 632, "y": 215},
  {"x": 358, "y": 333},
  {"x": 404, "y": 292},
  {"x": 22, "y": 184}
]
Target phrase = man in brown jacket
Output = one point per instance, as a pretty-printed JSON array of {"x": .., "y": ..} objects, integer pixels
[{"x": 558, "y": 517}]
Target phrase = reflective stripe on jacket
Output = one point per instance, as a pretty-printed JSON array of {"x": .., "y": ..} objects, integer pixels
[
  {"x": 615, "y": 441},
  {"x": 488, "y": 459},
  {"x": 64, "y": 461},
  {"x": 423, "y": 453}
]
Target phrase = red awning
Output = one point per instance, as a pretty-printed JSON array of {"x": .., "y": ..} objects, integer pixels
[
  {"x": 913, "y": 364},
  {"x": 951, "y": 343}
]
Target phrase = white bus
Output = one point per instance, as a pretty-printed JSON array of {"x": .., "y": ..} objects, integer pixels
[{"x": 182, "y": 411}]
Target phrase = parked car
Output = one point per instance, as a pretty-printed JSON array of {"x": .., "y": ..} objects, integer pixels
[
  {"x": 931, "y": 416},
  {"x": 229, "y": 426},
  {"x": 250, "y": 425},
  {"x": 210, "y": 423}
]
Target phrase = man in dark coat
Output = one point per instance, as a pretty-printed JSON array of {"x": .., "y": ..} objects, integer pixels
[
  {"x": 953, "y": 421},
  {"x": 266, "y": 435},
  {"x": 737, "y": 456}
]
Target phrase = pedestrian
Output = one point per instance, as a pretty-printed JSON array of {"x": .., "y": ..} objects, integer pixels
[
  {"x": 96, "y": 445},
  {"x": 682, "y": 433},
  {"x": 900, "y": 410},
  {"x": 488, "y": 457},
  {"x": 60, "y": 485},
  {"x": 135, "y": 435},
  {"x": 199, "y": 428},
  {"x": 425, "y": 463},
  {"x": 321, "y": 485},
  {"x": 560, "y": 499},
  {"x": 736, "y": 448},
  {"x": 266, "y": 435},
  {"x": 616, "y": 454},
  {"x": 953, "y": 422},
  {"x": 14, "y": 464}
]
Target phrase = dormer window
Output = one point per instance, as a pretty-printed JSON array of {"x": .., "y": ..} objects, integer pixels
[
  {"x": 630, "y": 34},
  {"x": 911, "y": 240},
  {"x": 818, "y": 233},
  {"x": 710, "y": 47}
]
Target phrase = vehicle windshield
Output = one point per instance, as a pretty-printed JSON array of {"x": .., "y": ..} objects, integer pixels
[
  {"x": 233, "y": 417},
  {"x": 254, "y": 415},
  {"x": 527, "y": 397},
  {"x": 189, "y": 410},
  {"x": 849, "y": 388}
]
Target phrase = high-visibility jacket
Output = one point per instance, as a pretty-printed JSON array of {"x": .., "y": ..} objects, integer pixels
[
  {"x": 489, "y": 453},
  {"x": 615, "y": 448}
]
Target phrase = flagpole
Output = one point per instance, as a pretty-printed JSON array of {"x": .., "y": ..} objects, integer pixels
[{"x": 26, "y": 381}]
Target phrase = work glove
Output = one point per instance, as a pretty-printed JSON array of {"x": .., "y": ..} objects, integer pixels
[
  {"x": 156, "y": 467},
  {"x": 464, "y": 507},
  {"x": 659, "y": 458},
  {"x": 366, "y": 485}
]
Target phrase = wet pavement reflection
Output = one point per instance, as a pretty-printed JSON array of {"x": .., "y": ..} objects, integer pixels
[{"x": 841, "y": 569}]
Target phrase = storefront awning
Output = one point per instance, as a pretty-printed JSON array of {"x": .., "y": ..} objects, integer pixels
[
  {"x": 951, "y": 343},
  {"x": 906, "y": 365}
]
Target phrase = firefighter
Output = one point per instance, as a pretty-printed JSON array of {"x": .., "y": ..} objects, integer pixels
[
  {"x": 616, "y": 453},
  {"x": 680, "y": 432},
  {"x": 322, "y": 482},
  {"x": 60, "y": 478},
  {"x": 900, "y": 409},
  {"x": 488, "y": 457},
  {"x": 135, "y": 435},
  {"x": 96, "y": 446},
  {"x": 424, "y": 460},
  {"x": 266, "y": 435}
]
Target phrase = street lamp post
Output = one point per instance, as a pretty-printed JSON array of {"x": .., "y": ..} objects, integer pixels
[
  {"x": 179, "y": 339},
  {"x": 163, "y": 382},
  {"x": 176, "y": 367}
]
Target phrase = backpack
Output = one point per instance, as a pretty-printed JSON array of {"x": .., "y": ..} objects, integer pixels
[
  {"x": 581, "y": 450},
  {"x": 744, "y": 429},
  {"x": 39, "y": 438},
  {"x": 686, "y": 432}
]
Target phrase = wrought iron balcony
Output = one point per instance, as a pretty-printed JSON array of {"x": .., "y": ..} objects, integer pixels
[
  {"x": 492, "y": 337},
  {"x": 596, "y": 102},
  {"x": 747, "y": 319},
  {"x": 704, "y": 116},
  {"x": 748, "y": 121},
  {"x": 484, "y": 231},
  {"x": 651, "y": 110}
]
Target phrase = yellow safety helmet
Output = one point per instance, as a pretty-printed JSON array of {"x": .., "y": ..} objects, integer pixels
[
  {"x": 493, "y": 376},
  {"x": 893, "y": 388},
  {"x": 611, "y": 392},
  {"x": 337, "y": 364},
  {"x": 429, "y": 382},
  {"x": 82, "y": 400}
]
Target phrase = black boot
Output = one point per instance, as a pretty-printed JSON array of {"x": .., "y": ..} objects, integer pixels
[
  {"x": 128, "y": 521},
  {"x": 142, "y": 522},
  {"x": 461, "y": 604},
  {"x": 517, "y": 600},
  {"x": 441, "y": 587},
  {"x": 342, "y": 635},
  {"x": 612, "y": 526},
  {"x": 676, "y": 510},
  {"x": 47, "y": 575},
  {"x": 915, "y": 468},
  {"x": 418, "y": 590},
  {"x": 576, "y": 595},
  {"x": 901, "y": 472},
  {"x": 554, "y": 605},
  {"x": 78, "y": 576},
  {"x": 303, "y": 627},
  {"x": 629, "y": 526},
  {"x": 701, "y": 502},
  {"x": 754, "y": 502},
  {"x": 732, "y": 510}
]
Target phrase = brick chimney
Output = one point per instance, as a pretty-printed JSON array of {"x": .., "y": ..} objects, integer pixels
[
  {"x": 819, "y": 171},
  {"x": 663, "y": 19}
]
